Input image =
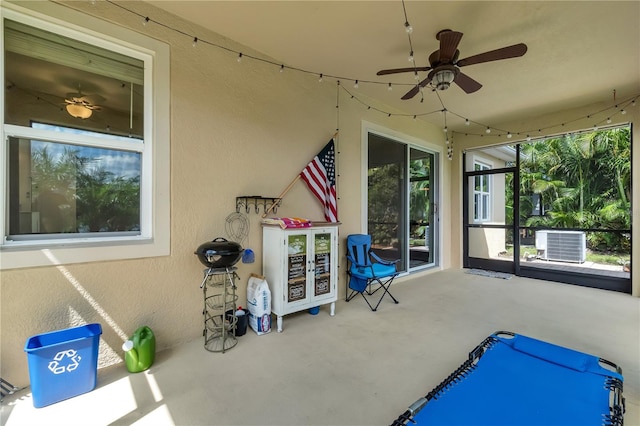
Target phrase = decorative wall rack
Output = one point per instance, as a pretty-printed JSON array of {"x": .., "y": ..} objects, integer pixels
[{"x": 268, "y": 203}]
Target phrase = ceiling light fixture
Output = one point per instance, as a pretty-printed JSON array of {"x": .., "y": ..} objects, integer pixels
[
  {"x": 79, "y": 111},
  {"x": 443, "y": 78}
]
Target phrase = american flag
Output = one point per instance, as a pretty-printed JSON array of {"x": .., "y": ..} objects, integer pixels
[{"x": 320, "y": 176}]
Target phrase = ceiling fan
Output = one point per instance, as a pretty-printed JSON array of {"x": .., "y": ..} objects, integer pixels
[
  {"x": 82, "y": 106},
  {"x": 445, "y": 67}
]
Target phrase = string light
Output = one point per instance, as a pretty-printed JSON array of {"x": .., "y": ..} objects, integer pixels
[
  {"x": 390, "y": 88},
  {"x": 320, "y": 79},
  {"x": 408, "y": 28},
  {"x": 509, "y": 135},
  {"x": 355, "y": 85}
]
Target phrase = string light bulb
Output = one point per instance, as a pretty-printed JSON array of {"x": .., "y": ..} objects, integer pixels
[
  {"x": 355, "y": 85},
  {"x": 488, "y": 130},
  {"x": 390, "y": 88},
  {"x": 411, "y": 59},
  {"x": 509, "y": 135},
  {"x": 320, "y": 78},
  {"x": 281, "y": 68},
  {"x": 145, "y": 20},
  {"x": 623, "y": 111},
  {"x": 195, "y": 42},
  {"x": 466, "y": 122},
  {"x": 608, "y": 120},
  {"x": 408, "y": 28},
  {"x": 240, "y": 57}
]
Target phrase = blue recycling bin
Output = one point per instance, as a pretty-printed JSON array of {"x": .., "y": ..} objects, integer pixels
[{"x": 63, "y": 363}]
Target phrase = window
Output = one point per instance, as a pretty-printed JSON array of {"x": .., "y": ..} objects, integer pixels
[
  {"x": 481, "y": 194},
  {"x": 84, "y": 140}
]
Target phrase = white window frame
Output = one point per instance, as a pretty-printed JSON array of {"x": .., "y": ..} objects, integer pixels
[
  {"x": 482, "y": 195},
  {"x": 154, "y": 238}
]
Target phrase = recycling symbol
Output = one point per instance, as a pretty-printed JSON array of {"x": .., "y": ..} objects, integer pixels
[{"x": 67, "y": 360}]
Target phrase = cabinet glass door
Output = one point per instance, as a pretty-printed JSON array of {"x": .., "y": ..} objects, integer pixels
[
  {"x": 322, "y": 261},
  {"x": 297, "y": 268}
]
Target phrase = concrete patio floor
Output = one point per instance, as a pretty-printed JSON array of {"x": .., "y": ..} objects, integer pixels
[{"x": 358, "y": 367}]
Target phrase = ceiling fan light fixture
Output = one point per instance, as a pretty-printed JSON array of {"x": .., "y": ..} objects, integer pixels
[
  {"x": 443, "y": 79},
  {"x": 79, "y": 111}
]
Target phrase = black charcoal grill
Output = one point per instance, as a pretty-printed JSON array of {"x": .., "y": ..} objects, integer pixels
[{"x": 219, "y": 253}]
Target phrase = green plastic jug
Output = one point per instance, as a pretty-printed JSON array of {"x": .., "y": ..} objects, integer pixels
[{"x": 140, "y": 351}]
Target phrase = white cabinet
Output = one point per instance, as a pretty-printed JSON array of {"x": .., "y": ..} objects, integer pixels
[{"x": 301, "y": 267}]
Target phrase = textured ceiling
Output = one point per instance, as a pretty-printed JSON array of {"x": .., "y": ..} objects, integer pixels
[{"x": 578, "y": 52}]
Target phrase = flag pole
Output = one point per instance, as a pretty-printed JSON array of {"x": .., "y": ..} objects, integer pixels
[
  {"x": 287, "y": 189},
  {"x": 281, "y": 196}
]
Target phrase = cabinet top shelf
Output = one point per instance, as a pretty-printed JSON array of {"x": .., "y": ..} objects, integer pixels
[{"x": 314, "y": 224}]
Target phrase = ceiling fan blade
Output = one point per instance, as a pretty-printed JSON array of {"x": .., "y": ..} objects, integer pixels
[
  {"x": 449, "y": 41},
  {"x": 399, "y": 70},
  {"x": 411, "y": 93},
  {"x": 495, "y": 55},
  {"x": 94, "y": 98},
  {"x": 466, "y": 83}
]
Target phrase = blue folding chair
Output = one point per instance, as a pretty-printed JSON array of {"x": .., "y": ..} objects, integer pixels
[{"x": 367, "y": 269}]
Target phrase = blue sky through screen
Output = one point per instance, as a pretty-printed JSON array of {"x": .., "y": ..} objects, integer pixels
[{"x": 123, "y": 164}]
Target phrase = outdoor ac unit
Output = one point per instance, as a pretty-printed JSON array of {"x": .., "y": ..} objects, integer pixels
[{"x": 562, "y": 246}]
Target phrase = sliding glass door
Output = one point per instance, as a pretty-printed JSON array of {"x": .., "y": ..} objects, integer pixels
[{"x": 401, "y": 207}]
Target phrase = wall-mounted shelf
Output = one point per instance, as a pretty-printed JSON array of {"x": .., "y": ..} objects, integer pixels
[{"x": 255, "y": 201}]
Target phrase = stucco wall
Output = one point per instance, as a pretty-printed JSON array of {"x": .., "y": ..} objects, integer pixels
[{"x": 236, "y": 129}]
